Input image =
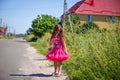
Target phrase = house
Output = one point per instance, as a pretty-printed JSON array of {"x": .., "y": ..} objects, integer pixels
[
  {"x": 3, "y": 30},
  {"x": 101, "y": 12}
]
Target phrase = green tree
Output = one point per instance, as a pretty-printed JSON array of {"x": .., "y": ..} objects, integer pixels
[{"x": 43, "y": 24}]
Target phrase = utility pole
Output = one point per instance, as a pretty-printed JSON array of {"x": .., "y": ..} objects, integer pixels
[
  {"x": 0, "y": 21},
  {"x": 66, "y": 12},
  {"x": 8, "y": 31}
]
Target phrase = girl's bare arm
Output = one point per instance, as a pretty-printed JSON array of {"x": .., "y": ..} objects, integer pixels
[{"x": 64, "y": 44}]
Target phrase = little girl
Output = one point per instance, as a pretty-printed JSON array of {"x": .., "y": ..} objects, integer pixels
[{"x": 59, "y": 52}]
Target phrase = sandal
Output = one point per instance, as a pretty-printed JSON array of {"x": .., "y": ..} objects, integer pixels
[
  {"x": 53, "y": 74},
  {"x": 58, "y": 75}
]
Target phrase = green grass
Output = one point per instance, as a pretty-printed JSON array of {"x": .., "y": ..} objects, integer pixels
[
  {"x": 42, "y": 44},
  {"x": 94, "y": 56}
]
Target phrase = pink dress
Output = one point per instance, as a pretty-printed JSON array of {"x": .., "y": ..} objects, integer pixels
[{"x": 58, "y": 52}]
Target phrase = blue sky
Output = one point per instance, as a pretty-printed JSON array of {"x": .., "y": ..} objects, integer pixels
[{"x": 18, "y": 14}]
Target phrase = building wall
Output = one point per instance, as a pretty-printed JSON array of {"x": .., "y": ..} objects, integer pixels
[
  {"x": 101, "y": 21},
  {"x": 83, "y": 18}
]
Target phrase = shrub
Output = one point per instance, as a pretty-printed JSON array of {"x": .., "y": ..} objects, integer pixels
[
  {"x": 88, "y": 26},
  {"x": 42, "y": 44},
  {"x": 30, "y": 38}
]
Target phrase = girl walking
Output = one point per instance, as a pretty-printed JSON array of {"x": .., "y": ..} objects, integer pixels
[{"x": 58, "y": 53}]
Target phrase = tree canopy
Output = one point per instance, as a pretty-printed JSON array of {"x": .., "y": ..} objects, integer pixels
[{"x": 43, "y": 24}]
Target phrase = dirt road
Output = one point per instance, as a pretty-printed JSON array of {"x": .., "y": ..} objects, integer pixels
[{"x": 19, "y": 61}]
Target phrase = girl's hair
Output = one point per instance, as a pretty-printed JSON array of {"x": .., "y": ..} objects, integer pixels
[{"x": 58, "y": 27}]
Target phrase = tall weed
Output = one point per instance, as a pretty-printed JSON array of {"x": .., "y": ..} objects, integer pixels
[{"x": 94, "y": 56}]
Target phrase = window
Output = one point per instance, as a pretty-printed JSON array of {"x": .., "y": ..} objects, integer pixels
[
  {"x": 90, "y": 18},
  {"x": 112, "y": 19}
]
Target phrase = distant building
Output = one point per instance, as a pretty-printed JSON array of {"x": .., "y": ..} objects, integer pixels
[
  {"x": 3, "y": 30},
  {"x": 101, "y": 12}
]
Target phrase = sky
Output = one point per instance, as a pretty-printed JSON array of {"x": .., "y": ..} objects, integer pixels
[{"x": 19, "y": 14}]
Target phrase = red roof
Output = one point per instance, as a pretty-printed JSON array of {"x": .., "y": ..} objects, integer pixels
[
  {"x": 3, "y": 29},
  {"x": 97, "y": 7}
]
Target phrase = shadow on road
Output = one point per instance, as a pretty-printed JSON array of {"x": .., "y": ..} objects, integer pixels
[
  {"x": 21, "y": 41},
  {"x": 41, "y": 59},
  {"x": 34, "y": 75}
]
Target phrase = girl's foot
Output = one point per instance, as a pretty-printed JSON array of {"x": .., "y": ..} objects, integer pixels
[
  {"x": 53, "y": 74},
  {"x": 58, "y": 75}
]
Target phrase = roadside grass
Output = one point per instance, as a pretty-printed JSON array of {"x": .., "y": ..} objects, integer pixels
[
  {"x": 42, "y": 44},
  {"x": 94, "y": 55}
]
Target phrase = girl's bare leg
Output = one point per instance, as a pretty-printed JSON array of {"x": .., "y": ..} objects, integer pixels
[
  {"x": 60, "y": 68},
  {"x": 55, "y": 67}
]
